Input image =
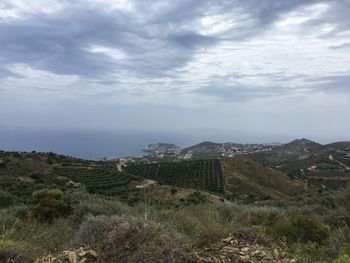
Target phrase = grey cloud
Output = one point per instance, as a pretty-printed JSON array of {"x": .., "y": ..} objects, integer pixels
[
  {"x": 333, "y": 84},
  {"x": 54, "y": 41},
  {"x": 342, "y": 46},
  {"x": 152, "y": 37},
  {"x": 239, "y": 93}
]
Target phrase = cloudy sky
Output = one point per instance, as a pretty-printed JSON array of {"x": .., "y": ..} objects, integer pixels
[{"x": 268, "y": 67}]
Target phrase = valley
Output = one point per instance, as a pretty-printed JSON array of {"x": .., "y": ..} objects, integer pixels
[{"x": 265, "y": 203}]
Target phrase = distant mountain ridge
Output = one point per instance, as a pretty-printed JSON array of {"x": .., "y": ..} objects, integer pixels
[
  {"x": 327, "y": 165},
  {"x": 209, "y": 149}
]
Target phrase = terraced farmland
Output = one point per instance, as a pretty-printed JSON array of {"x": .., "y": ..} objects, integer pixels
[
  {"x": 199, "y": 174},
  {"x": 99, "y": 180}
]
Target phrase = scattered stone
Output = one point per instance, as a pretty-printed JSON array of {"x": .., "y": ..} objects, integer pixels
[
  {"x": 93, "y": 253},
  {"x": 227, "y": 240},
  {"x": 245, "y": 258},
  {"x": 81, "y": 255},
  {"x": 72, "y": 257},
  {"x": 244, "y": 247}
]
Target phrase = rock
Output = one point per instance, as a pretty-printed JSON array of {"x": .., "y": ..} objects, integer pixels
[
  {"x": 245, "y": 258},
  {"x": 81, "y": 252},
  {"x": 227, "y": 240},
  {"x": 230, "y": 249},
  {"x": 72, "y": 257},
  {"x": 80, "y": 255},
  {"x": 255, "y": 253},
  {"x": 93, "y": 253},
  {"x": 245, "y": 249}
]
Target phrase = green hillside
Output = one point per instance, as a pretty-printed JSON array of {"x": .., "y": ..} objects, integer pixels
[
  {"x": 98, "y": 180},
  {"x": 237, "y": 177},
  {"x": 246, "y": 178},
  {"x": 327, "y": 165},
  {"x": 199, "y": 174}
]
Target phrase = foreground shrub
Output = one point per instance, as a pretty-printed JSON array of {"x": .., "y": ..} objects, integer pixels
[
  {"x": 254, "y": 215},
  {"x": 199, "y": 225},
  {"x": 6, "y": 199},
  {"x": 301, "y": 228},
  {"x": 84, "y": 204},
  {"x": 338, "y": 239},
  {"x": 309, "y": 229},
  {"x": 283, "y": 230},
  {"x": 308, "y": 253},
  {"x": 13, "y": 253},
  {"x": 129, "y": 239},
  {"x": 196, "y": 198},
  {"x": 342, "y": 259},
  {"x": 49, "y": 204}
]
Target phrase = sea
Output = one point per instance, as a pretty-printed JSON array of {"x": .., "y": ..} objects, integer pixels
[
  {"x": 98, "y": 144},
  {"x": 87, "y": 144}
]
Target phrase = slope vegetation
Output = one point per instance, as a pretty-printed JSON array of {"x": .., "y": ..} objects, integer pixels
[
  {"x": 246, "y": 178},
  {"x": 198, "y": 174},
  {"x": 98, "y": 180},
  {"x": 327, "y": 165},
  {"x": 237, "y": 177}
]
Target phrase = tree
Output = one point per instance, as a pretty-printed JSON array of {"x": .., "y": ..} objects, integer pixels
[{"x": 49, "y": 204}]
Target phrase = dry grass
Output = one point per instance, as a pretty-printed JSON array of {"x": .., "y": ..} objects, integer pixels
[{"x": 130, "y": 239}]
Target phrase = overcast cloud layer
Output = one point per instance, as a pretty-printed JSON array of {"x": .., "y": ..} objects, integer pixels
[{"x": 272, "y": 66}]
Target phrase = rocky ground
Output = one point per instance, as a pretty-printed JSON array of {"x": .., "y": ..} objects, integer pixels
[
  {"x": 244, "y": 247},
  {"x": 241, "y": 247},
  {"x": 81, "y": 255}
]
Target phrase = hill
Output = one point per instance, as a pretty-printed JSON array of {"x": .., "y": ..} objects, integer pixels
[
  {"x": 22, "y": 173},
  {"x": 207, "y": 150},
  {"x": 296, "y": 150},
  {"x": 248, "y": 179},
  {"x": 237, "y": 177},
  {"x": 89, "y": 211},
  {"x": 205, "y": 144},
  {"x": 327, "y": 165},
  {"x": 199, "y": 174}
]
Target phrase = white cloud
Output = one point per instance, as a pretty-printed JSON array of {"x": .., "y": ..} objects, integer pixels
[
  {"x": 113, "y": 5},
  {"x": 279, "y": 58},
  {"x": 112, "y": 53},
  {"x": 304, "y": 14},
  {"x": 31, "y": 81},
  {"x": 20, "y": 9},
  {"x": 216, "y": 24}
]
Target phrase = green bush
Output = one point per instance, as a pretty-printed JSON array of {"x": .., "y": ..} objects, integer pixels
[
  {"x": 308, "y": 253},
  {"x": 196, "y": 198},
  {"x": 342, "y": 259},
  {"x": 6, "y": 199},
  {"x": 301, "y": 228},
  {"x": 309, "y": 229},
  {"x": 86, "y": 204},
  {"x": 49, "y": 204},
  {"x": 344, "y": 255},
  {"x": 283, "y": 230}
]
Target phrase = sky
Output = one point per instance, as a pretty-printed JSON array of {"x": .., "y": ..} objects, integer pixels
[{"x": 272, "y": 67}]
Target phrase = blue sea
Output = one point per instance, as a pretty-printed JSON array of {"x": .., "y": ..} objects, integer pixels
[
  {"x": 97, "y": 144},
  {"x": 86, "y": 144}
]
